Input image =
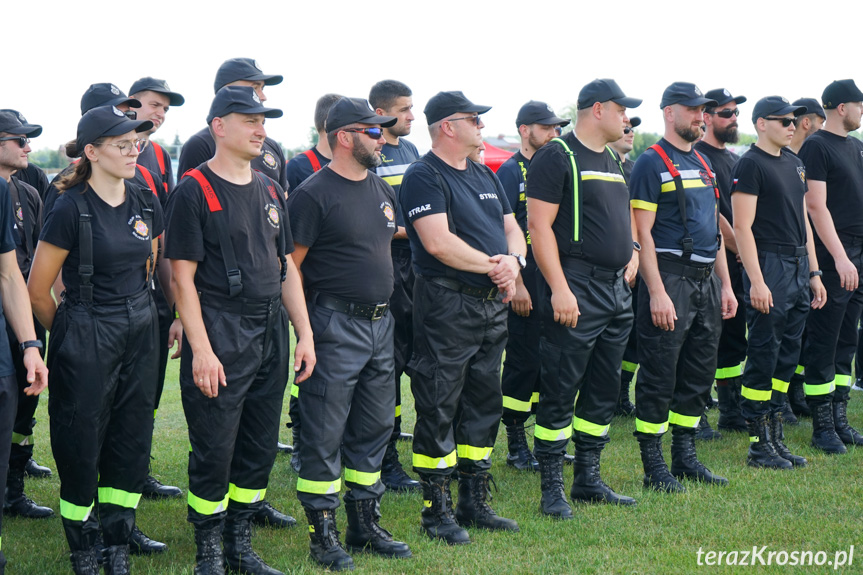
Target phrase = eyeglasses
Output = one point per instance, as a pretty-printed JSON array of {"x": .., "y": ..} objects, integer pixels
[
  {"x": 628, "y": 130},
  {"x": 131, "y": 114},
  {"x": 126, "y": 146},
  {"x": 785, "y": 121},
  {"x": 373, "y": 133},
  {"x": 22, "y": 140},
  {"x": 475, "y": 119},
  {"x": 727, "y": 113}
]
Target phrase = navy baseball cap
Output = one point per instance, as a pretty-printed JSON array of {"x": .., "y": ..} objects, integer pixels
[
  {"x": 723, "y": 96},
  {"x": 535, "y": 112},
  {"x": 104, "y": 122},
  {"x": 775, "y": 106},
  {"x": 243, "y": 69},
  {"x": 839, "y": 92},
  {"x": 149, "y": 84},
  {"x": 105, "y": 94},
  {"x": 14, "y": 122},
  {"x": 812, "y": 106},
  {"x": 603, "y": 90},
  {"x": 445, "y": 104},
  {"x": 685, "y": 94},
  {"x": 240, "y": 100},
  {"x": 349, "y": 111},
  {"x": 634, "y": 122}
]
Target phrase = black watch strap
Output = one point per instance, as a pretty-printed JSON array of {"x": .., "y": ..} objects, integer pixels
[
  {"x": 30, "y": 343},
  {"x": 815, "y": 274}
]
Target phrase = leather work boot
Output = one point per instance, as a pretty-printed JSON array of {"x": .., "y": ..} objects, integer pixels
[
  {"x": 846, "y": 433},
  {"x": 656, "y": 474},
  {"x": 437, "y": 516},
  {"x": 154, "y": 489},
  {"x": 762, "y": 453},
  {"x": 116, "y": 560},
  {"x": 393, "y": 475},
  {"x": 824, "y": 436},
  {"x": 797, "y": 397},
  {"x": 324, "y": 545},
  {"x": 587, "y": 485},
  {"x": 209, "y": 559},
  {"x": 36, "y": 471},
  {"x": 140, "y": 544},
  {"x": 518, "y": 454},
  {"x": 473, "y": 509},
  {"x": 268, "y": 516},
  {"x": 364, "y": 532},
  {"x": 553, "y": 502},
  {"x": 84, "y": 562},
  {"x": 684, "y": 459},
  {"x": 239, "y": 555},
  {"x": 284, "y": 448},
  {"x": 704, "y": 431},
  {"x": 728, "y": 394},
  {"x": 777, "y": 438},
  {"x": 625, "y": 407},
  {"x": 17, "y": 503}
]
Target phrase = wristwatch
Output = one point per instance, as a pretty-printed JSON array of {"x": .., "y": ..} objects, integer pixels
[
  {"x": 30, "y": 343},
  {"x": 815, "y": 274},
  {"x": 522, "y": 263},
  {"x": 636, "y": 246}
]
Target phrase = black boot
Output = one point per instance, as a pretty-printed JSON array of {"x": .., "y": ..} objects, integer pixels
[
  {"x": 140, "y": 544},
  {"x": 656, "y": 474},
  {"x": 777, "y": 438},
  {"x": 684, "y": 459},
  {"x": 268, "y": 516},
  {"x": 762, "y": 453},
  {"x": 393, "y": 475},
  {"x": 797, "y": 397},
  {"x": 846, "y": 433},
  {"x": 324, "y": 545},
  {"x": 519, "y": 455},
  {"x": 437, "y": 516},
  {"x": 824, "y": 435},
  {"x": 587, "y": 485},
  {"x": 117, "y": 560},
  {"x": 728, "y": 393},
  {"x": 239, "y": 555},
  {"x": 36, "y": 471},
  {"x": 473, "y": 509},
  {"x": 284, "y": 448},
  {"x": 295, "y": 456},
  {"x": 364, "y": 532},
  {"x": 209, "y": 559},
  {"x": 625, "y": 407},
  {"x": 154, "y": 489},
  {"x": 788, "y": 416},
  {"x": 84, "y": 562},
  {"x": 704, "y": 431},
  {"x": 17, "y": 503},
  {"x": 553, "y": 502}
]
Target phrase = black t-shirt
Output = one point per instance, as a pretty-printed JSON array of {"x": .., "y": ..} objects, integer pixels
[
  {"x": 627, "y": 169},
  {"x": 478, "y": 204},
  {"x": 139, "y": 180},
  {"x": 121, "y": 241},
  {"x": 722, "y": 162},
  {"x": 148, "y": 159},
  {"x": 837, "y": 161},
  {"x": 27, "y": 208},
  {"x": 201, "y": 148},
  {"x": 348, "y": 227},
  {"x": 253, "y": 213},
  {"x": 35, "y": 176},
  {"x": 606, "y": 230},
  {"x": 7, "y": 244},
  {"x": 300, "y": 167},
  {"x": 513, "y": 177},
  {"x": 394, "y": 163},
  {"x": 780, "y": 184}
]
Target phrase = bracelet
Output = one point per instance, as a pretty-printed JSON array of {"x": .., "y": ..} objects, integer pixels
[{"x": 815, "y": 274}]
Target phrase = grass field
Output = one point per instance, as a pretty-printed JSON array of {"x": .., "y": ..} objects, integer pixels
[{"x": 819, "y": 508}]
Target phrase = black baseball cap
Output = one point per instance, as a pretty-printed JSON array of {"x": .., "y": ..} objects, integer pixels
[
  {"x": 775, "y": 106},
  {"x": 634, "y": 122},
  {"x": 349, "y": 111},
  {"x": 14, "y": 122},
  {"x": 603, "y": 90},
  {"x": 105, "y": 94},
  {"x": 445, "y": 104},
  {"x": 839, "y": 92},
  {"x": 155, "y": 85},
  {"x": 104, "y": 122},
  {"x": 240, "y": 100},
  {"x": 685, "y": 94},
  {"x": 535, "y": 112},
  {"x": 243, "y": 69},
  {"x": 812, "y": 106},
  {"x": 723, "y": 96}
]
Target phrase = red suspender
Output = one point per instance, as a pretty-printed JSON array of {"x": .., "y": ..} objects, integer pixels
[
  {"x": 160, "y": 158},
  {"x": 209, "y": 193},
  {"x": 310, "y": 154},
  {"x": 149, "y": 178}
]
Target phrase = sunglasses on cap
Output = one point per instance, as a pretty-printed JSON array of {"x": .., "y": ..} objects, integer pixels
[
  {"x": 22, "y": 140},
  {"x": 373, "y": 133},
  {"x": 727, "y": 113},
  {"x": 785, "y": 121}
]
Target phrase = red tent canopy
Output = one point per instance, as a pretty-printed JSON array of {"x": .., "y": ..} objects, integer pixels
[{"x": 493, "y": 156}]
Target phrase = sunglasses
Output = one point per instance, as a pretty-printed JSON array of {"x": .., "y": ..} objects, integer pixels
[
  {"x": 475, "y": 119},
  {"x": 131, "y": 114},
  {"x": 22, "y": 140},
  {"x": 373, "y": 133},
  {"x": 628, "y": 130},
  {"x": 727, "y": 113},
  {"x": 558, "y": 130},
  {"x": 785, "y": 121}
]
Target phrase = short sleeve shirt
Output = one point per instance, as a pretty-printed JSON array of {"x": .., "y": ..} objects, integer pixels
[
  {"x": 513, "y": 177},
  {"x": 27, "y": 211},
  {"x": 300, "y": 167},
  {"x": 394, "y": 162},
  {"x": 7, "y": 244},
  {"x": 722, "y": 162}
]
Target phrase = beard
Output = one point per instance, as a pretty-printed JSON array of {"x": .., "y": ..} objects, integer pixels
[
  {"x": 366, "y": 158},
  {"x": 849, "y": 124},
  {"x": 728, "y": 135},
  {"x": 687, "y": 132},
  {"x": 399, "y": 129},
  {"x": 535, "y": 142}
]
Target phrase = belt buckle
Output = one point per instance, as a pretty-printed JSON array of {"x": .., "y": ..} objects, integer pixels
[
  {"x": 492, "y": 293},
  {"x": 379, "y": 311}
]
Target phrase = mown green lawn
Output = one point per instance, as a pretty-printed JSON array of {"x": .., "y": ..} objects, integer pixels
[{"x": 819, "y": 508}]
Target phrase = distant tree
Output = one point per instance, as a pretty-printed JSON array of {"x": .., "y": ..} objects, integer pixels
[
  {"x": 48, "y": 159},
  {"x": 642, "y": 141},
  {"x": 312, "y": 141}
]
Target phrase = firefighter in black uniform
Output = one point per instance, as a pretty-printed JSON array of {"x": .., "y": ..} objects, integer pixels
[
  {"x": 15, "y": 133},
  {"x": 775, "y": 244},
  {"x": 537, "y": 125},
  {"x": 227, "y": 237},
  {"x": 102, "y": 233},
  {"x": 685, "y": 291},
  {"x": 343, "y": 218},
  {"x": 582, "y": 238},
  {"x": 467, "y": 251}
]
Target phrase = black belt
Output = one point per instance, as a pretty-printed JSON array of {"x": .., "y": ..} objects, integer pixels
[
  {"x": 688, "y": 271},
  {"x": 239, "y": 305},
  {"x": 363, "y": 310},
  {"x": 587, "y": 268},
  {"x": 480, "y": 292},
  {"x": 782, "y": 250},
  {"x": 850, "y": 240}
]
